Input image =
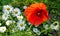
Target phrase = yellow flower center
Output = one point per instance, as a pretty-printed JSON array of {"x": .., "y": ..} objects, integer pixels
[
  {"x": 8, "y": 8},
  {"x": 21, "y": 25},
  {"x": 2, "y": 28},
  {"x": 16, "y": 12}
]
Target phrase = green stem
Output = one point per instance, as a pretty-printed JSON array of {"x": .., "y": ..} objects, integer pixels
[
  {"x": 6, "y": 33},
  {"x": 45, "y": 30},
  {"x": 29, "y": 28}
]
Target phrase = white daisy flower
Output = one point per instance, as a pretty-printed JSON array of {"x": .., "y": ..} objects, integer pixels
[
  {"x": 16, "y": 12},
  {"x": 7, "y": 9},
  {"x": 9, "y": 22},
  {"x": 55, "y": 27},
  {"x": 2, "y": 29},
  {"x": 21, "y": 25},
  {"x": 5, "y": 16},
  {"x": 36, "y": 31},
  {"x": 20, "y": 17},
  {"x": 24, "y": 7},
  {"x": 0, "y": 24}
]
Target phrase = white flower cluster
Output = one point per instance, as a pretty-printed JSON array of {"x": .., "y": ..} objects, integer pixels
[
  {"x": 54, "y": 26},
  {"x": 8, "y": 10}
]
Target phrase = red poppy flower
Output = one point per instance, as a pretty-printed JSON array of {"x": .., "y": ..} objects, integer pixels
[{"x": 36, "y": 14}]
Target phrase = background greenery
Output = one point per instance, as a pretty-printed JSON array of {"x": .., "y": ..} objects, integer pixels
[{"x": 53, "y": 7}]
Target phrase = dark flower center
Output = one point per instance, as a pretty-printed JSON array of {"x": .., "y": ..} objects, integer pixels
[
  {"x": 21, "y": 25},
  {"x": 8, "y": 8},
  {"x": 39, "y": 12}
]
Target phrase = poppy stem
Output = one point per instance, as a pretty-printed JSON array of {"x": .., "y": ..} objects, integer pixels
[{"x": 29, "y": 28}]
